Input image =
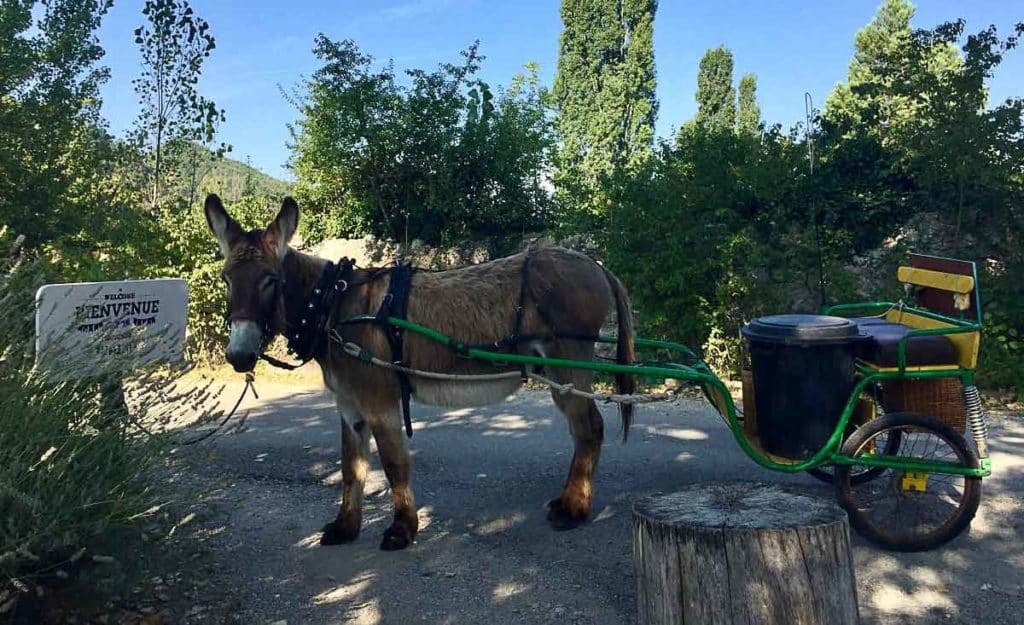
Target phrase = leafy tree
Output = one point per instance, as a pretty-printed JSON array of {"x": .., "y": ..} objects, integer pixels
[
  {"x": 716, "y": 98},
  {"x": 749, "y": 120},
  {"x": 862, "y": 125},
  {"x": 50, "y": 120},
  {"x": 605, "y": 93},
  {"x": 714, "y": 237},
  {"x": 879, "y": 97},
  {"x": 174, "y": 43},
  {"x": 443, "y": 160},
  {"x": 59, "y": 167},
  {"x": 965, "y": 156},
  {"x": 966, "y": 162}
]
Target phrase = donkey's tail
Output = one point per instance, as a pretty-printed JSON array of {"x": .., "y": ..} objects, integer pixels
[{"x": 625, "y": 348}]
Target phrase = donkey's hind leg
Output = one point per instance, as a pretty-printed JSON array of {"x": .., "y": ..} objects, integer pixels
[
  {"x": 572, "y": 507},
  {"x": 355, "y": 453}
]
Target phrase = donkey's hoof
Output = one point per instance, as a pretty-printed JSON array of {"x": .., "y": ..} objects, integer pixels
[
  {"x": 562, "y": 518},
  {"x": 396, "y": 537},
  {"x": 335, "y": 533}
]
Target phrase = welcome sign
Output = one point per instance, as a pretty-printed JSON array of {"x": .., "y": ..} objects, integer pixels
[{"x": 89, "y": 328}]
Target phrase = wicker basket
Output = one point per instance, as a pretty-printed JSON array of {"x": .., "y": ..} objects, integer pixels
[{"x": 942, "y": 398}]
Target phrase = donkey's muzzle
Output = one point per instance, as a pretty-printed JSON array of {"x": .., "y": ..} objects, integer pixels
[
  {"x": 243, "y": 363},
  {"x": 244, "y": 344}
]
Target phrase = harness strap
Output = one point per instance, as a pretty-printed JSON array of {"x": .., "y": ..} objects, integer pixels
[
  {"x": 395, "y": 304},
  {"x": 524, "y": 284},
  {"x": 280, "y": 364},
  {"x": 307, "y": 335}
]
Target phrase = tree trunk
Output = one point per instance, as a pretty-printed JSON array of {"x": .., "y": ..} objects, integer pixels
[{"x": 742, "y": 553}]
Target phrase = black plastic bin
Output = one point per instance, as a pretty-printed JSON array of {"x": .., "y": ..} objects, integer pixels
[{"x": 803, "y": 374}]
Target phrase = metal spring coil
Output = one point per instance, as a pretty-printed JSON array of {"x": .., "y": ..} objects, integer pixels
[{"x": 976, "y": 416}]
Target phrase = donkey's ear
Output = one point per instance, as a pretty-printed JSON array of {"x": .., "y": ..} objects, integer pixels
[
  {"x": 280, "y": 232},
  {"x": 221, "y": 224}
]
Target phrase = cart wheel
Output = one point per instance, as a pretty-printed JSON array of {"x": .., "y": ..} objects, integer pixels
[
  {"x": 858, "y": 475},
  {"x": 905, "y": 510}
]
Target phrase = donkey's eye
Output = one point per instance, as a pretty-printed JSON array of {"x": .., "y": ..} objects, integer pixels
[{"x": 268, "y": 282}]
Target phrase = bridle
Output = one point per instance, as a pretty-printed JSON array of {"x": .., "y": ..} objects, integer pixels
[{"x": 306, "y": 336}]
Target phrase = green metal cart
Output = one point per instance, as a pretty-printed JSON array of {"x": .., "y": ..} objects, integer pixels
[{"x": 907, "y": 451}]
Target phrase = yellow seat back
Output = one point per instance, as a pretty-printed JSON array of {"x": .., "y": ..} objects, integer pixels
[
  {"x": 945, "y": 286},
  {"x": 952, "y": 282}
]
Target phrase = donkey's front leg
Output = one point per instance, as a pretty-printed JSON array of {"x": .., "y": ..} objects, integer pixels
[
  {"x": 398, "y": 467},
  {"x": 355, "y": 451}
]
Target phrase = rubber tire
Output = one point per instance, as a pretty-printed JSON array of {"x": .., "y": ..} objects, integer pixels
[
  {"x": 856, "y": 480},
  {"x": 954, "y": 526}
]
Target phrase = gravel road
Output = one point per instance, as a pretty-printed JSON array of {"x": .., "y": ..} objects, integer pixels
[{"x": 485, "y": 553}]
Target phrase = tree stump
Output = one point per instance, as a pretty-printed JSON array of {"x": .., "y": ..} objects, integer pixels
[{"x": 742, "y": 553}]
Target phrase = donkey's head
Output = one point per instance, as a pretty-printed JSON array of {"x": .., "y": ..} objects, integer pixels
[{"x": 253, "y": 273}]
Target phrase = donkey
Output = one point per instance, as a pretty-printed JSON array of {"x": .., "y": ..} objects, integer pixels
[{"x": 560, "y": 299}]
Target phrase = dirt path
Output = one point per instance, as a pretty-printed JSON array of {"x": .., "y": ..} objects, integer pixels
[{"x": 485, "y": 553}]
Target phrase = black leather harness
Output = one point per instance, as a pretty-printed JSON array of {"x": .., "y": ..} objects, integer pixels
[{"x": 306, "y": 337}]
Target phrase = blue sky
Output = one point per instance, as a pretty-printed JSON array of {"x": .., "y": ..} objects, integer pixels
[{"x": 793, "y": 47}]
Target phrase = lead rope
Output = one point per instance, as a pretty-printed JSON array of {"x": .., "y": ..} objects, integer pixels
[{"x": 249, "y": 379}]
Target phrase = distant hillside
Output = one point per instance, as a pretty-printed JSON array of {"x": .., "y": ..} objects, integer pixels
[{"x": 231, "y": 179}]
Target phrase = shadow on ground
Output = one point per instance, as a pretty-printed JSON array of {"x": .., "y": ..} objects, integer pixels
[{"x": 485, "y": 553}]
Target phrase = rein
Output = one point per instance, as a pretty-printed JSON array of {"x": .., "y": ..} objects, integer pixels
[{"x": 249, "y": 379}]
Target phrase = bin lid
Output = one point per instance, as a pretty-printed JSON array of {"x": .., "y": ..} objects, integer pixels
[{"x": 802, "y": 329}]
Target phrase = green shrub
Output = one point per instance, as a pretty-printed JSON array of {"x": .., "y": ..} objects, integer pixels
[
  {"x": 1001, "y": 364},
  {"x": 74, "y": 462}
]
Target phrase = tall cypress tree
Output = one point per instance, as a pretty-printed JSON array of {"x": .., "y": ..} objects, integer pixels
[
  {"x": 716, "y": 98},
  {"x": 750, "y": 113},
  {"x": 604, "y": 90}
]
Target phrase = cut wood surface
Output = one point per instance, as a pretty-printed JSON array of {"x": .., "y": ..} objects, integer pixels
[{"x": 743, "y": 553}]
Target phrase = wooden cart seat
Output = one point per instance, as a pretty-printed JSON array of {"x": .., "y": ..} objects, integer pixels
[{"x": 922, "y": 351}]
